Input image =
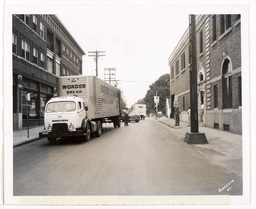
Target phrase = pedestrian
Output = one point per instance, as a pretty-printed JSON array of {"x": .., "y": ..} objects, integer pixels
[
  {"x": 202, "y": 112},
  {"x": 126, "y": 117},
  {"x": 177, "y": 117},
  {"x": 188, "y": 112}
]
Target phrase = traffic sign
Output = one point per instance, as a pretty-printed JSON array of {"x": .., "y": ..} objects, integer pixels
[{"x": 156, "y": 99}]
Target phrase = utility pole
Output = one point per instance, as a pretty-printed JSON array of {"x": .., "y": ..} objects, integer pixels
[
  {"x": 194, "y": 137},
  {"x": 96, "y": 54}
]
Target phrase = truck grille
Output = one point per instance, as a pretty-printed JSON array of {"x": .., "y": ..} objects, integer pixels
[{"x": 60, "y": 128}]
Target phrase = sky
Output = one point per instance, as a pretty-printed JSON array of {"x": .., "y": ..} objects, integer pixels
[{"x": 137, "y": 41}]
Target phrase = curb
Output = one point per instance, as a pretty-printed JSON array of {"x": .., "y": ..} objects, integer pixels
[
  {"x": 172, "y": 126},
  {"x": 26, "y": 142}
]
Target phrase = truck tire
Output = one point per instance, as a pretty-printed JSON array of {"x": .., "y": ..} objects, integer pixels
[
  {"x": 87, "y": 136},
  {"x": 99, "y": 128},
  {"x": 117, "y": 122},
  {"x": 52, "y": 140}
]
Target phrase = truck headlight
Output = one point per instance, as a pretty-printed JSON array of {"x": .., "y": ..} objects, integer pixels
[
  {"x": 71, "y": 127},
  {"x": 49, "y": 128}
]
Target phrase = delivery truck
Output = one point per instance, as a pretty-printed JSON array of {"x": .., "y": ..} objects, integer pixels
[
  {"x": 140, "y": 109},
  {"x": 82, "y": 105}
]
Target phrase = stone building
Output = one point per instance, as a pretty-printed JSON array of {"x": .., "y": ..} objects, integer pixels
[
  {"x": 219, "y": 77},
  {"x": 43, "y": 50}
]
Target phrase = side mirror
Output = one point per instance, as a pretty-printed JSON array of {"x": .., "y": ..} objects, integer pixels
[{"x": 86, "y": 108}]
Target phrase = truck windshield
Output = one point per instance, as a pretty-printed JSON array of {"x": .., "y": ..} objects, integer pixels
[{"x": 66, "y": 106}]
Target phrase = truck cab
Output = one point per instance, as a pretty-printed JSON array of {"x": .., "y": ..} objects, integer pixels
[{"x": 64, "y": 117}]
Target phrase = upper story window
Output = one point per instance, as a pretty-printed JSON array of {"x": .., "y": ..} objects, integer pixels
[
  {"x": 25, "y": 49},
  {"x": 238, "y": 17},
  {"x": 42, "y": 60},
  {"x": 183, "y": 61},
  {"x": 41, "y": 30},
  {"x": 22, "y": 17},
  {"x": 27, "y": 19},
  {"x": 58, "y": 47},
  {"x": 177, "y": 67},
  {"x": 201, "y": 41},
  {"x": 50, "y": 41},
  {"x": 35, "y": 55},
  {"x": 172, "y": 72},
  {"x": 214, "y": 31},
  {"x": 225, "y": 23},
  {"x": 14, "y": 43},
  {"x": 34, "y": 23}
]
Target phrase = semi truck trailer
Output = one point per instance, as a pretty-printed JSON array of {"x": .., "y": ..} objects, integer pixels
[
  {"x": 82, "y": 105},
  {"x": 140, "y": 109}
]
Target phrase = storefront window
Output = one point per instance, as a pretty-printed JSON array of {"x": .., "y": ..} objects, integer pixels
[{"x": 29, "y": 107}]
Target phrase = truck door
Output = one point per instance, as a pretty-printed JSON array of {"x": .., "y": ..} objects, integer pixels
[{"x": 80, "y": 114}]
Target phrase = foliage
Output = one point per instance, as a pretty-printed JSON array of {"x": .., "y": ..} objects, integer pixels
[{"x": 161, "y": 88}]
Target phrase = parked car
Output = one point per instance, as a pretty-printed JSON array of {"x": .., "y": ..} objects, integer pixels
[{"x": 134, "y": 117}]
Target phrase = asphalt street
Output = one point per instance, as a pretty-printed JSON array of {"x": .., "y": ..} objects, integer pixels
[{"x": 144, "y": 158}]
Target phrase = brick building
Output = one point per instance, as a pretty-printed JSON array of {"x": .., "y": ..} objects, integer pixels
[
  {"x": 218, "y": 40},
  {"x": 43, "y": 50}
]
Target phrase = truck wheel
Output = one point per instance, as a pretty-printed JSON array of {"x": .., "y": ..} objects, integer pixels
[
  {"x": 52, "y": 140},
  {"x": 87, "y": 136},
  {"x": 118, "y": 123},
  {"x": 99, "y": 129}
]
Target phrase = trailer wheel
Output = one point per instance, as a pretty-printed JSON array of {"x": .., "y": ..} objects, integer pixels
[
  {"x": 87, "y": 136},
  {"x": 52, "y": 140},
  {"x": 118, "y": 123},
  {"x": 99, "y": 128}
]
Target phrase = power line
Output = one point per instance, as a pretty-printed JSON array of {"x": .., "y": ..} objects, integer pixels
[{"x": 138, "y": 81}]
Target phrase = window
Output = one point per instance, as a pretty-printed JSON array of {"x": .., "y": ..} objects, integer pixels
[
  {"x": 226, "y": 85},
  {"x": 14, "y": 43},
  {"x": 225, "y": 23},
  {"x": 228, "y": 21},
  {"x": 42, "y": 58},
  {"x": 35, "y": 55},
  {"x": 240, "y": 90},
  {"x": 27, "y": 19},
  {"x": 64, "y": 72},
  {"x": 214, "y": 35},
  {"x": 172, "y": 73},
  {"x": 50, "y": 40},
  {"x": 57, "y": 69},
  {"x": 201, "y": 77},
  {"x": 222, "y": 24},
  {"x": 22, "y": 17},
  {"x": 34, "y": 22},
  {"x": 177, "y": 67},
  {"x": 238, "y": 17},
  {"x": 201, "y": 41},
  {"x": 25, "y": 49},
  {"x": 215, "y": 93},
  {"x": 183, "y": 62},
  {"x": 183, "y": 99},
  {"x": 49, "y": 65},
  {"x": 58, "y": 47},
  {"x": 41, "y": 30}
]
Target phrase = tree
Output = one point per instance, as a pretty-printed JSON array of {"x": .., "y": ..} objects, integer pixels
[{"x": 161, "y": 87}]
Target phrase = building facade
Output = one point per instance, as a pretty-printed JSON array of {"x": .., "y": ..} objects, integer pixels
[
  {"x": 219, "y": 77},
  {"x": 43, "y": 50}
]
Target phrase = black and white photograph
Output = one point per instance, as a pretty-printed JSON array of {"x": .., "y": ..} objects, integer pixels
[{"x": 127, "y": 103}]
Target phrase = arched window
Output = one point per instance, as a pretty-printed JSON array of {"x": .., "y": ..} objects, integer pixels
[
  {"x": 226, "y": 84},
  {"x": 201, "y": 77}
]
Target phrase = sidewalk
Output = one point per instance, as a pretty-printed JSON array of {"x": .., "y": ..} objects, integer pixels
[
  {"x": 223, "y": 148},
  {"x": 20, "y": 137}
]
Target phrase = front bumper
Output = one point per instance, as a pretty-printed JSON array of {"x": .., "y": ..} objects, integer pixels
[{"x": 61, "y": 130}]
